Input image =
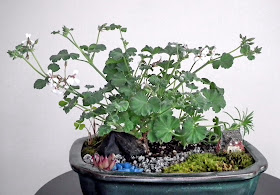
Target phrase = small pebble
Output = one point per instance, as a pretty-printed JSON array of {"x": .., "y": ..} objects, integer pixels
[{"x": 88, "y": 159}]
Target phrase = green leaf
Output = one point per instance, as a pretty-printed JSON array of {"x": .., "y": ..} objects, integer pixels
[
  {"x": 129, "y": 125},
  {"x": 55, "y": 58},
  {"x": 140, "y": 105},
  {"x": 215, "y": 99},
  {"x": 165, "y": 107},
  {"x": 226, "y": 60},
  {"x": 116, "y": 54},
  {"x": 54, "y": 67},
  {"x": 62, "y": 103},
  {"x": 123, "y": 29},
  {"x": 122, "y": 67},
  {"x": 164, "y": 127},
  {"x": 154, "y": 104},
  {"x": 205, "y": 81},
  {"x": 131, "y": 51},
  {"x": 110, "y": 70},
  {"x": 170, "y": 50},
  {"x": 216, "y": 64},
  {"x": 152, "y": 137},
  {"x": 119, "y": 79},
  {"x": 76, "y": 125},
  {"x": 193, "y": 133},
  {"x": 157, "y": 50},
  {"x": 126, "y": 91},
  {"x": 148, "y": 49},
  {"x": 154, "y": 80},
  {"x": 64, "y": 54},
  {"x": 121, "y": 106},
  {"x": 84, "y": 47},
  {"x": 251, "y": 57},
  {"x": 71, "y": 104},
  {"x": 40, "y": 84},
  {"x": 82, "y": 126},
  {"x": 96, "y": 48},
  {"x": 245, "y": 49},
  {"x": 189, "y": 76},
  {"x": 90, "y": 98},
  {"x": 74, "y": 56},
  {"x": 199, "y": 101},
  {"x": 89, "y": 86},
  {"x": 104, "y": 130},
  {"x": 166, "y": 64}
]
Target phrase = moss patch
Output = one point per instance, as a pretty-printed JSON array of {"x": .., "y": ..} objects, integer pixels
[
  {"x": 207, "y": 162},
  {"x": 91, "y": 149}
]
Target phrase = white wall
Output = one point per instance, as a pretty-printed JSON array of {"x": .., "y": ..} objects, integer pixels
[{"x": 36, "y": 135}]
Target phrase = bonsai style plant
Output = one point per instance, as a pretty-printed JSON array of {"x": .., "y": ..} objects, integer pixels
[{"x": 154, "y": 97}]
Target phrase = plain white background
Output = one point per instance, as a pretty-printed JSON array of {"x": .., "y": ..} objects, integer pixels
[{"x": 36, "y": 135}]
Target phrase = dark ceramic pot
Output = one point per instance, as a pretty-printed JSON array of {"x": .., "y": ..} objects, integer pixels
[{"x": 98, "y": 182}]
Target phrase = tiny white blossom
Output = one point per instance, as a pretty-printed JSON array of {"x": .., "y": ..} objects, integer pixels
[
  {"x": 55, "y": 90},
  {"x": 27, "y": 35},
  {"x": 72, "y": 79},
  {"x": 50, "y": 73}
]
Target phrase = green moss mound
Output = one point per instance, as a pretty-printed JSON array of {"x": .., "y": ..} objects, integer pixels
[
  {"x": 207, "y": 162},
  {"x": 91, "y": 148}
]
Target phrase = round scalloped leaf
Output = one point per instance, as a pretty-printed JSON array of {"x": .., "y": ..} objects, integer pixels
[
  {"x": 226, "y": 60},
  {"x": 40, "y": 84}
]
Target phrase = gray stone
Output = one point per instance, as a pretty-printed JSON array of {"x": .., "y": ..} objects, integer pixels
[{"x": 88, "y": 159}]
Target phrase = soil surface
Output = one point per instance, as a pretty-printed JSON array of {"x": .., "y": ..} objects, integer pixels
[{"x": 159, "y": 156}]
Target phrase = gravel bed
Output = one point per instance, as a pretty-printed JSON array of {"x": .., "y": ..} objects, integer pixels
[{"x": 155, "y": 163}]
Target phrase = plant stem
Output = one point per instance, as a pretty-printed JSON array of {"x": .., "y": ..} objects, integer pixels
[
  {"x": 124, "y": 58},
  {"x": 201, "y": 67},
  {"x": 33, "y": 67},
  {"x": 85, "y": 55},
  {"x": 167, "y": 67},
  {"x": 124, "y": 45},
  {"x": 38, "y": 62},
  {"x": 82, "y": 106},
  {"x": 235, "y": 49},
  {"x": 143, "y": 75},
  {"x": 193, "y": 65},
  {"x": 97, "y": 39}
]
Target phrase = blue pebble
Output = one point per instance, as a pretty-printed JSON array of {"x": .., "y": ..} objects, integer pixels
[
  {"x": 119, "y": 166},
  {"x": 127, "y": 165},
  {"x": 138, "y": 170},
  {"x": 124, "y": 170}
]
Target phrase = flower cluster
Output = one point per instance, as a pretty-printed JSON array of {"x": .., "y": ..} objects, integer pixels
[{"x": 60, "y": 84}]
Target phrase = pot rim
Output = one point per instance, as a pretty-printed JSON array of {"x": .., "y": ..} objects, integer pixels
[{"x": 79, "y": 166}]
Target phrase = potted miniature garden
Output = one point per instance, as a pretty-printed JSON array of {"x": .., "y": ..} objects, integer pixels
[{"x": 147, "y": 130}]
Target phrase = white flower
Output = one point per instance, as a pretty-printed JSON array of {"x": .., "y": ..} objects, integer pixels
[
  {"x": 72, "y": 79},
  {"x": 27, "y": 35},
  {"x": 57, "y": 91},
  {"x": 50, "y": 73}
]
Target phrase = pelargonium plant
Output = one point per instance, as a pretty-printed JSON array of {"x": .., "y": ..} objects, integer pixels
[{"x": 159, "y": 98}]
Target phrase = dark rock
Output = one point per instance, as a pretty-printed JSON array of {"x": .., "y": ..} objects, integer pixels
[
  {"x": 121, "y": 143},
  {"x": 231, "y": 141}
]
